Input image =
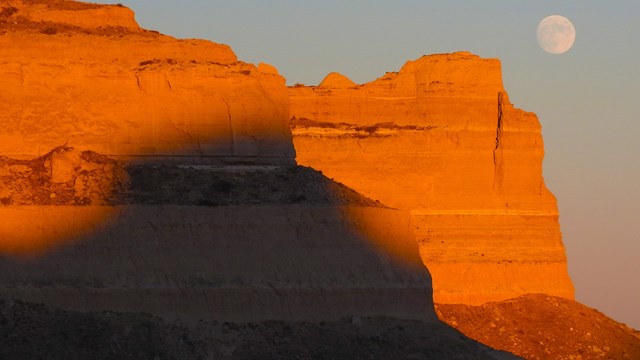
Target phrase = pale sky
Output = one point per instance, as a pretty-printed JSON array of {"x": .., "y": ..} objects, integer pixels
[{"x": 587, "y": 99}]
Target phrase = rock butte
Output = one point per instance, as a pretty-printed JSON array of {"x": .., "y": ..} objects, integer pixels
[
  {"x": 88, "y": 98},
  {"x": 441, "y": 139}
]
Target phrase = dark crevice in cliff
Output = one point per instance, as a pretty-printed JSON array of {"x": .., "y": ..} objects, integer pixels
[
  {"x": 138, "y": 84},
  {"x": 497, "y": 151},
  {"x": 499, "y": 127}
]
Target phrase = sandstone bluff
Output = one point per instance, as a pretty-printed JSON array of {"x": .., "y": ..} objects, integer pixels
[
  {"x": 152, "y": 200},
  {"x": 439, "y": 138}
]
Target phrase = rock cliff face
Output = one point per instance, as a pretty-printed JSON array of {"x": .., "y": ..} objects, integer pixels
[
  {"x": 441, "y": 139},
  {"x": 233, "y": 263},
  {"x": 81, "y": 231},
  {"x": 143, "y": 173},
  {"x": 87, "y": 76}
]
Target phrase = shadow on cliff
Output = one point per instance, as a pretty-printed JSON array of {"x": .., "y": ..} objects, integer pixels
[
  {"x": 240, "y": 245},
  {"x": 236, "y": 243},
  {"x": 212, "y": 225}
]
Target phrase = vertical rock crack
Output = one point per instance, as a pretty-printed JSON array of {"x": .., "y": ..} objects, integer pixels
[{"x": 498, "y": 174}]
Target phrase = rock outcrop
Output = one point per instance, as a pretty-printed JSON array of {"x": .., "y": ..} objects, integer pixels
[
  {"x": 336, "y": 80},
  {"x": 441, "y": 139},
  {"x": 143, "y": 173},
  {"x": 52, "y": 13},
  {"x": 85, "y": 75}
]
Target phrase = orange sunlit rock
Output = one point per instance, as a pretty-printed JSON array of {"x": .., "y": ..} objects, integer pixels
[
  {"x": 389, "y": 232},
  {"x": 33, "y": 231},
  {"x": 84, "y": 79},
  {"x": 87, "y": 76},
  {"x": 336, "y": 80},
  {"x": 422, "y": 93},
  {"x": 55, "y": 199},
  {"x": 538, "y": 327},
  {"x": 440, "y": 138},
  {"x": 72, "y": 13}
]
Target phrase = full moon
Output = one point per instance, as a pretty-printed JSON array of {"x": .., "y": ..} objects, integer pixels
[{"x": 556, "y": 34}]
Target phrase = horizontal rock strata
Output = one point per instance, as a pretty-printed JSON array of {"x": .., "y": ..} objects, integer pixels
[
  {"x": 234, "y": 263},
  {"x": 87, "y": 76},
  {"x": 441, "y": 139},
  {"x": 82, "y": 231},
  {"x": 143, "y": 173}
]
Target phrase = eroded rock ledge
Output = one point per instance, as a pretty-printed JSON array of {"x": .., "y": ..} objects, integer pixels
[{"x": 65, "y": 176}]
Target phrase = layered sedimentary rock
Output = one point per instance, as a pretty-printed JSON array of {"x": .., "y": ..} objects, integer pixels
[
  {"x": 441, "y": 139},
  {"x": 143, "y": 173},
  {"x": 81, "y": 231},
  {"x": 234, "y": 263},
  {"x": 87, "y": 76}
]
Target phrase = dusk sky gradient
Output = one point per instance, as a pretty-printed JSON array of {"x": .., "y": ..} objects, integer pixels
[{"x": 588, "y": 99}]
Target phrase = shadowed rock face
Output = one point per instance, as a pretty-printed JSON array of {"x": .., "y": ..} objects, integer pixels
[
  {"x": 440, "y": 138},
  {"x": 87, "y": 76},
  {"x": 270, "y": 243},
  {"x": 231, "y": 263},
  {"x": 32, "y": 331},
  {"x": 81, "y": 231}
]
